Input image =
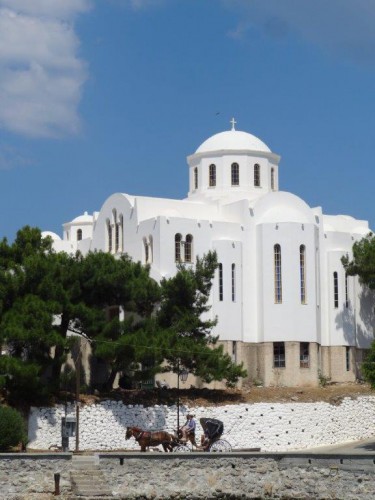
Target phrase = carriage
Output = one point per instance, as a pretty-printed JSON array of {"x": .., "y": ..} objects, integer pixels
[{"x": 211, "y": 440}]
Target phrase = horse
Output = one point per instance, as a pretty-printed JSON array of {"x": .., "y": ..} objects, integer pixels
[{"x": 146, "y": 438}]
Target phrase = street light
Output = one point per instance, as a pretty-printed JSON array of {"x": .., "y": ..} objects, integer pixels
[{"x": 181, "y": 375}]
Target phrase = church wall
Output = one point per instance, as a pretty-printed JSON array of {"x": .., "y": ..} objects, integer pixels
[
  {"x": 342, "y": 324},
  {"x": 289, "y": 320},
  {"x": 227, "y": 305}
]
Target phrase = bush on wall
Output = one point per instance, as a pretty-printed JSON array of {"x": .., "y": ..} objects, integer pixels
[{"x": 12, "y": 428}]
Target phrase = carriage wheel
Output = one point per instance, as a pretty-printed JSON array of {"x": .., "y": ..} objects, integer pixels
[
  {"x": 221, "y": 446},
  {"x": 182, "y": 448}
]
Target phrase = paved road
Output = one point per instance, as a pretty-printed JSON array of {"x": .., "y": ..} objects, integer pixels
[{"x": 365, "y": 447}]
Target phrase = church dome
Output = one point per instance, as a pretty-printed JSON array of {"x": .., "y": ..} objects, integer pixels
[{"x": 233, "y": 140}]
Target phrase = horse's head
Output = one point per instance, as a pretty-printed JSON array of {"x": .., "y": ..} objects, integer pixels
[{"x": 129, "y": 432}]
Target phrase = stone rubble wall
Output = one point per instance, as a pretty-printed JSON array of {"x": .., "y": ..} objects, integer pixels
[
  {"x": 235, "y": 478},
  {"x": 167, "y": 476},
  {"x": 268, "y": 426}
]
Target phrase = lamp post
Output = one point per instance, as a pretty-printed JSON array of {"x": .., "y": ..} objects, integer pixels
[{"x": 181, "y": 375}]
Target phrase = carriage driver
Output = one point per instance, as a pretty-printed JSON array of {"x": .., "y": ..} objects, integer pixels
[{"x": 188, "y": 427}]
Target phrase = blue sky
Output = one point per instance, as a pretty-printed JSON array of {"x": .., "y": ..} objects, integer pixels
[{"x": 105, "y": 96}]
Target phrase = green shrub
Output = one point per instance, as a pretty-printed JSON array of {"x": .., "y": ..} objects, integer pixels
[{"x": 12, "y": 428}]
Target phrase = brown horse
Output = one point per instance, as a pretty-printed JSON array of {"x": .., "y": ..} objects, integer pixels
[{"x": 146, "y": 438}]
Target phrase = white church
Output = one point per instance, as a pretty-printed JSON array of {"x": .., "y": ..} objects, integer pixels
[{"x": 284, "y": 304}]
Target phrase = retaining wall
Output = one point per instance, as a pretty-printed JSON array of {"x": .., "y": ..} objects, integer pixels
[{"x": 270, "y": 427}]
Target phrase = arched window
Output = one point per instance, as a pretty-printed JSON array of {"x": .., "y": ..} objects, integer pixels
[
  {"x": 195, "y": 178},
  {"x": 233, "y": 282},
  {"x": 177, "y": 247},
  {"x": 302, "y": 272},
  {"x": 335, "y": 290},
  {"x": 257, "y": 175},
  {"x": 188, "y": 248},
  {"x": 109, "y": 235},
  {"x": 150, "y": 249},
  {"x": 235, "y": 174},
  {"x": 221, "y": 284},
  {"x": 79, "y": 234},
  {"x": 277, "y": 274},
  {"x": 212, "y": 176},
  {"x": 273, "y": 179}
]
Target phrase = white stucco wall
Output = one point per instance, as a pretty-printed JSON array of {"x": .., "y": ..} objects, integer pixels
[{"x": 269, "y": 426}]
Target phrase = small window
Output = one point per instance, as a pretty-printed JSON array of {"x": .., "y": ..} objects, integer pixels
[
  {"x": 233, "y": 282},
  {"x": 279, "y": 355},
  {"x": 257, "y": 175},
  {"x": 302, "y": 272},
  {"x": 79, "y": 234},
  {"x": 121, "y": 229},
  {"x": 177, "y": 247},
  {"x": 221, "y": 289},
  {"x": 196, "y": 178},
  {"x": 273, "y": 179},
  {"x": 235, "y": 174},
  {"x": 277, "y": 275},
  {"x": 347, "y": 358},
  {"x": 304, "y": 355},
  {"x": 150, "y": 249},
  {"x": 188, "y": 248},
  {"x": 212, "y": 176},
  {"x": 335, "y": 290}
]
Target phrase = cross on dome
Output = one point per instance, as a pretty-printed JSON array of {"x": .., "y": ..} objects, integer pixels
[{"x": 233, "y": 122}]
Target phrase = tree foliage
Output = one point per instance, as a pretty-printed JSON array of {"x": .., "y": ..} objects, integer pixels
[
  {"x": 12, "y": 428},
  {"x": 43, "y": 294},
  {"x": 363, "y": 263},
  {"x": 184, "y": 316}
]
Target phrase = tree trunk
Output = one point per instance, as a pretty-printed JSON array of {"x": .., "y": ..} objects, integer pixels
[
  {"x": 110, "y": 380},
  {"x": 59, "y": 351}
]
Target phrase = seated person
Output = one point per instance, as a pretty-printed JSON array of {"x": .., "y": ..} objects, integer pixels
[{"x": 188, "y": 427}]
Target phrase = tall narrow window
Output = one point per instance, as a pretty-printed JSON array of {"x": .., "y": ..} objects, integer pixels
[
  {"x": 235, "y": 174},
  {"x": 279, "y": 355},
  {"x": 177, "y": 247},
  {"x": 335, "y": 290},
  {"x": 221, "y": 289},
  {"x": 233, "y": 282},
  {"x": 79, "y": 234},
  {"x": 304, "y": 355},
  {"x": 257, "y": 175},
  {"x": 347, "y": 358},
  {"x": 273, "y": 179},
  {"x": 117, "y": 237},
  {"x": 196, "y": 178},
  {"x": 212, "y": 176},
  {"x": 346, "y": 291},
  {"x": 188, "y": 248},
  {"x": 109, "y": 236},
  {"x": 150, "y": 249},
  {"x": 302, "y": 272},
  {"x": 277, "y": 274},
  {"x": 121, "y": 229},
  {"x": 146, "y": 247}
]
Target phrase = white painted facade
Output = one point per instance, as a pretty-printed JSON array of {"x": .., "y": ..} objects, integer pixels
[{"x": 234, "y": 206}]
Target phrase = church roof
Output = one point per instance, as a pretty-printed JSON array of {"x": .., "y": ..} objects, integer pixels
[{"x": 233, "y": 140}]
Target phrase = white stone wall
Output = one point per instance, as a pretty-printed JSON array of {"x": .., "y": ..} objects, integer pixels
[{"x": 271, "y": 427}]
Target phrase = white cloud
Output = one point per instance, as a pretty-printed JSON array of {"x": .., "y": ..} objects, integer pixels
[
  {"x": 41, "y": 75},
  {"x": 343, "y": 27}
]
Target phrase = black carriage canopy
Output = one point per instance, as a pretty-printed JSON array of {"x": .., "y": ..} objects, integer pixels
[{"x": 212, "y": 427}]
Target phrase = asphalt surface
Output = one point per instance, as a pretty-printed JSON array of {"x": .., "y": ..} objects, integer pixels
[{"x": 365, "y": 447}]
